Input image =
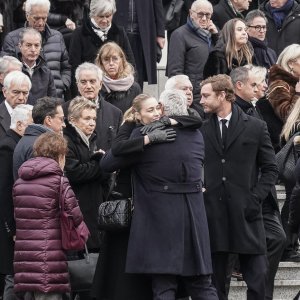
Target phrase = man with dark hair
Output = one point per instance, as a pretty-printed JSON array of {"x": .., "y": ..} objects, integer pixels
[
  {"x": 47, "y": 115},
  {"x": 237, "y": 150}
]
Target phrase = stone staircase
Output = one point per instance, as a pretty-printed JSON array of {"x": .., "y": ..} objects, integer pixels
[{"x": 287, "y": 281}]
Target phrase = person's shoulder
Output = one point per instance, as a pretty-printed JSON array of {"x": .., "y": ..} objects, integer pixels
[{"x": 108, "y": 106}]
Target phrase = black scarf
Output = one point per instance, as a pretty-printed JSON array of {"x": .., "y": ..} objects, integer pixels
[{"x": 279, "y": 14}]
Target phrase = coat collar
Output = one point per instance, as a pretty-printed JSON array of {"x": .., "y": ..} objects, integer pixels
[
  {"x": 14, "y": 135},
  {"x": 4, "y": 117}
]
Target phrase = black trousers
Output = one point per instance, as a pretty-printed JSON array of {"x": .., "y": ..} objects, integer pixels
[
  {"x": 275, "y": 238},
  {"x": 164, "y": 287},
  {"x": 253, "y": 267}
]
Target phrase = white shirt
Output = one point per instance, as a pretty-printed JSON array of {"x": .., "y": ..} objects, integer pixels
[{"x": 227, "y": 123}]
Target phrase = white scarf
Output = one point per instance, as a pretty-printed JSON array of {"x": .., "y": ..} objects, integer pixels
[
  {"x": 118, "y": 85},
  {"x": 102, "y": 33}
]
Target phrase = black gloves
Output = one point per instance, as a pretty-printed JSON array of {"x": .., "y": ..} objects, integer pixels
[
  {"x": 160, "y": 124},
  {"x": 162, "y": 136}
]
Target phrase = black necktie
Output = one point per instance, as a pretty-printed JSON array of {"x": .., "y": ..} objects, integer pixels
[{"x": 224, "y": 132}]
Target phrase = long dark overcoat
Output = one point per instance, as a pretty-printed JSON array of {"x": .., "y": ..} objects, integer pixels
[
  {"x": 4, "y": 120},
  {"x": 235, "y": 222},
  {"x": 7, "y": 222},
  {"x": 151, "y": 25},
  {"x": 169, "y": 232}
]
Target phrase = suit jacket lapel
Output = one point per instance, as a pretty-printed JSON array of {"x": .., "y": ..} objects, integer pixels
[
  {"x": 236, "y": 124},
  {"x": 213, "y": 133},
  {"x": 4, "y": 117}
]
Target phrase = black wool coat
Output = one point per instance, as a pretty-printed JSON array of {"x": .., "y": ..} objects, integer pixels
[
  {"x": 234, "y": 193},
  {"x": 278, "y": 39},
  {"x": 85, "y": 177},
  {"x": 7, "y": 222},
  {"x": 169, "y": 232},
  {"x": 4, "y": 120},
  {"x": 151, "y": 23}
]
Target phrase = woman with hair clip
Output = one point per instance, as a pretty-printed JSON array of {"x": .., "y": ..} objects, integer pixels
[
  {"x": 232, "y": 49},
  {"x": 290, "y": 128},
  {"x": 119, "y": 87}
]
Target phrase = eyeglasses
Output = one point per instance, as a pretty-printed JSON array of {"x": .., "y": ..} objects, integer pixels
[
  {"x": 259, "y": 27},
  {"x": 200, "y": 15}
]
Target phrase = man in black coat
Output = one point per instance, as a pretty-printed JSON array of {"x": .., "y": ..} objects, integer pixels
[
  {"x": 283, "y": 23},
  {"x": 143, "y": 21},
  {"x": 169, "y": 234},
  {"x": 21, "y": 117},
  {"x": 16, "y": 89},
  {"x": 256, "y": 22},
  {"x": 246, "y": 87},
  {"x": 89, "y": 82},
  {"x": 235, "y": 155}
]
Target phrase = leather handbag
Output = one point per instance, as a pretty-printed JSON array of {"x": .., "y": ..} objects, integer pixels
[
  {"x": 286, "y": 160},
  {"x": 82, "y": 271},
  {"x": 115, "y": 213},
  {"x": 72, "y": 237},
  {"x": 173, "y": 14}
]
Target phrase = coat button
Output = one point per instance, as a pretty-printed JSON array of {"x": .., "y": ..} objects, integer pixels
[
  {"x": 166, "y": 187},
  {"x": 198, "y": 187},
  {"x": 223, "y": 161},
  {"x": 223, "y": 178}
]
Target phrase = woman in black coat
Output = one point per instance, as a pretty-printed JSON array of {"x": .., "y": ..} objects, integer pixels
[
  {"x": 119, "y": 87},
  {"x": 232, "y": 50},
  {"x": 96, "y": 30},
  {"x": 82, "y": 167}
]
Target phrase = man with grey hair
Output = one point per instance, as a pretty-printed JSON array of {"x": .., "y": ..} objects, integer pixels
[
  {"x": 169, "y": 237},
  {"x": 89, "y": 82},
  {"x": 34, "y": 66},
  {"x": 16, "y": 87},
  {"x": 256, "y": 22},
  {"x": 54, "y": 50},
  {"x": 20, "y": 119},
  {"x": 7, "y": 64}
]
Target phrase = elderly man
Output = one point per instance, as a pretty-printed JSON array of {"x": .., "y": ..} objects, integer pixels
[
  {"x": 7, "y": 64},
  {"x": 283, "y": 23},
  {"x": 256, "y": 22},
  {"x": 54, "y": 49},
  {"x": 20, "y": 119},
  {"x": 16, "y": 87},
  {"x": 226, "y": 10},
  {"x": 237, "y": 147},
  {"x": 190, "y": 45},
  {"x": 34, "y": 65},
  {"x": 89, "y": 82},
  {"x": 47, "y": 115},
  {"x": 169, "y": 237}
]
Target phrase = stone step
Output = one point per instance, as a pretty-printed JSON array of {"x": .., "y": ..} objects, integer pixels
[
  {"x": 288, "y": 271},
  {"x": 283, "y": 290}
]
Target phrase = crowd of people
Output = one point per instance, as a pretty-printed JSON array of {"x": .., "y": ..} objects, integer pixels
[{"x": 199, "y": 163}]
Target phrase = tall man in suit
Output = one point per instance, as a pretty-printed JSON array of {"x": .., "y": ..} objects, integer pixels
[
  {"x": 237, "y": 147},
  {"x": 16, "y": 90}
]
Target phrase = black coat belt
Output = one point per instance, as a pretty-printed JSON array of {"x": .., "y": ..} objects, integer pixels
[{"x": 178, "y": 188}]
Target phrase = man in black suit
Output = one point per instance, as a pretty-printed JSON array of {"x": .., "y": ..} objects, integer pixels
[
  {"x": 16, "y": 89},
  {"x": 237, "y": 147},
  {"x": 20, "y": 119},
  {"x": 246, "y": 86}
]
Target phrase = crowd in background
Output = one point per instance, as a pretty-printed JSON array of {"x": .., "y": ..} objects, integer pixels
[{"x": 77, "y": 68}]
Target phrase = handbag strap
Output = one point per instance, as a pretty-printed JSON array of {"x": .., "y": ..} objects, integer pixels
[
  {"x": 112, "y": 184},
  {"x": 61, "y": 200}
]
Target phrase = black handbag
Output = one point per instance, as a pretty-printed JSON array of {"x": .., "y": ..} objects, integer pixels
[
  {"x": 173, "y": 14},
  {"x": 115, "y": 213},
  {"x": 286, "y": 160},
  {"x": 81, "y": 272}
]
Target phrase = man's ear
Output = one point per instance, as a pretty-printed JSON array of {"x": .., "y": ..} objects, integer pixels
[
  {"x": 239, "y": 85},
  {"x": 47, "y": 121}
]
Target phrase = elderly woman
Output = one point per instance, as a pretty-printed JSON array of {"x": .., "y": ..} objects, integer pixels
[
  {"x": 119, "y": 87},
  {"x": 190, "y": 45},
  {"x": 232, "y": 49},
  {"x": 82, "y": 167},
  {"x": 38, "y": 246},
  {"x": 96, "y": 30}
]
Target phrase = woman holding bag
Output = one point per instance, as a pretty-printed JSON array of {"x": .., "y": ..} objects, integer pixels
[{"x": 40, "y": 263}]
